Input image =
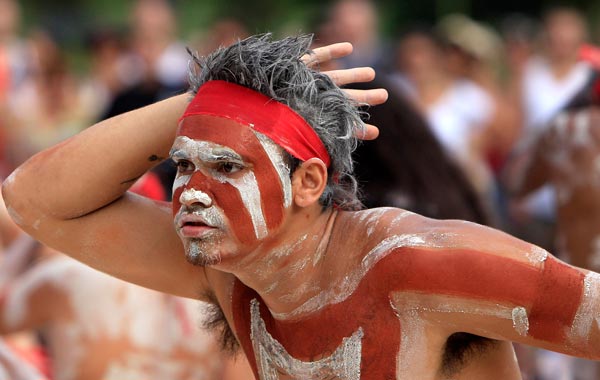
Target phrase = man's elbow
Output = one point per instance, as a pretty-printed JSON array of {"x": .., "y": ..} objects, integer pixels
[{"x": 12, "y": 199}]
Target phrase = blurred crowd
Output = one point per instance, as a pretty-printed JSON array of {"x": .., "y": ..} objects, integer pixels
[{"x": 495, "y": 125}]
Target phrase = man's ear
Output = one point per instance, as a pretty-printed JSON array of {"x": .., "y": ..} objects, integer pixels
[{"x": 308, "y": 182}]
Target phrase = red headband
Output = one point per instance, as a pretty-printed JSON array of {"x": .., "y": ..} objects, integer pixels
[{"x": 271, "y": 118}]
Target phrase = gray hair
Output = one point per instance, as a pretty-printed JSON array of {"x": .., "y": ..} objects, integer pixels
[{"x": 274, "y": 69}]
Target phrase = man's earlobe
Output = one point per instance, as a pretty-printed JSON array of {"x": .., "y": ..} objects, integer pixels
[{"x": 308, "y": 182}]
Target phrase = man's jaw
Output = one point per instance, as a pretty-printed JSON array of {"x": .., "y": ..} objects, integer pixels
[{"x": 196, "y": 254}]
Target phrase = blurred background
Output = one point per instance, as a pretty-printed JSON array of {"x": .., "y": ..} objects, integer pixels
[{"x": 492, "y": 118}]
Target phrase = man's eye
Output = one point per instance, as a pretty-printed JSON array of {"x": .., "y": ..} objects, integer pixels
[
  {"x": 228, "y": 167},
  {"x": 184, "y": 166}
]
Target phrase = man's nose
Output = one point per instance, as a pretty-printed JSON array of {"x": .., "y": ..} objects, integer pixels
[{"x": 193, "y": 197}]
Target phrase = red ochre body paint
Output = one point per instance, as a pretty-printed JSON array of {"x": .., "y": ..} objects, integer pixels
[{"x": 453, "y": 272}]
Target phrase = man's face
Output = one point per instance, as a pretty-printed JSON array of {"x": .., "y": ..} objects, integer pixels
[{"x": 231, "y": 190}]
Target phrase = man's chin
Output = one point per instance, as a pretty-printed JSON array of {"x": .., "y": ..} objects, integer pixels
[
  {"x": 203, "y": 260},
  {"x": 197, "y": 256}
]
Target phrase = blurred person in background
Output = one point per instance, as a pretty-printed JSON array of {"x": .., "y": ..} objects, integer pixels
[
  {"x": 46, "y": 108},
  {"x": 14, "y": 53},
  {"x": 552, "y": 171},
  {"x": 159, "y": 67},
  {"x": 154, "y": 40},
  {"x": 549, "y": 79},
  {"x": 223, "y": 32},
  {"x": 555, "y": 74},
  {"x": 407, "y": 167},
  {"x": 457, "y": 109},
  {"x": 567, "y": 156},
  {"x": 159, "y": 61},
  {"x": 110, "y": 71},
  {"x": 474, "y": 52},
  {"x": 357, "y": 22},
  {"x": 15, "y": 66}
]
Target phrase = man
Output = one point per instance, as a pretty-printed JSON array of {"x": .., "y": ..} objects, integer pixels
[{"x": 262, "y": 200}]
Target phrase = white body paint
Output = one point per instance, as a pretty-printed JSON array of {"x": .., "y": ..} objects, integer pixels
[
  {"x": 275, "y": 363},
  {"x": 416, "y": 310},
  {"x": 586, "y": 318},
  {"x": 108, "y": 310},
  {"x": 343, "y": 288}
]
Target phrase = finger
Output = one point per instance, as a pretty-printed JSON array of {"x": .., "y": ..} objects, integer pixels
[
  {"x": 370, "y": 133},
  {"x": 327, "y": 53},
  {"x": 370, "y": 97},
  {"x": 356, "y": 75}
]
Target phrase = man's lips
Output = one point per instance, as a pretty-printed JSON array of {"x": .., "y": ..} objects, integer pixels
[{"x": 191, "y": 225}]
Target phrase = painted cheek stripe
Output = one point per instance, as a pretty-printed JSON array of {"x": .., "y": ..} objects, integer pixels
[
  {"x": 248, "y": 189},
  {"x": 261, "y": 113},
  {"x": 283, "y": 171},
  {"x": 230, "y": 202}
]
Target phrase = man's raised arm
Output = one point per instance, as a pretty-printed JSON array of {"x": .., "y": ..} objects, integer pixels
[{"x": 73, "y": 198}]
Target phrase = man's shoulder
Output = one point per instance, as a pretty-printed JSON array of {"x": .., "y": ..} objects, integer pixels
[
  {"x": 383, "y": 222},
  {"x": 398, "y": 228}
]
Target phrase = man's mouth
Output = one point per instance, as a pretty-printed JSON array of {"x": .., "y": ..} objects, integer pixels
[{"x": 193, "y": 226}]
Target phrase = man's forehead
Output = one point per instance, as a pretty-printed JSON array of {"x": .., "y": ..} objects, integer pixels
[
  {"x": 211, "y": 131},
  {"x": 186, "y": 147}
]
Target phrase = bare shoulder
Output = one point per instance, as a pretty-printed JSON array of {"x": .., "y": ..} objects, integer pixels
[{"x": 388, "y": 229}]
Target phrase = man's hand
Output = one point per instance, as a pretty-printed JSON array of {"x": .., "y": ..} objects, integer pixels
[{"x": 354, "y": 75}]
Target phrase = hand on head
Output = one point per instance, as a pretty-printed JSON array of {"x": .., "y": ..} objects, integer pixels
[{"x": 347, "y": 76}]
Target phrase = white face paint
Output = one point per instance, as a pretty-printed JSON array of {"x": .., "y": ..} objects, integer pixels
[
  {"x": 275, "y": 155},
  {"x": 203, "y": 154}
]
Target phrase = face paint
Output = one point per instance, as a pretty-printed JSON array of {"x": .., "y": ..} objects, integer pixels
[{"x": 229, "y": 168}]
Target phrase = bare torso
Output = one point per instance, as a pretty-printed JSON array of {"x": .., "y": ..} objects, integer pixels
[{"x": 396, "y": 309}]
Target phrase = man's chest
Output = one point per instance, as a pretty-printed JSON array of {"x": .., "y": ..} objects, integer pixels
[{"x": 341, "y": 341}]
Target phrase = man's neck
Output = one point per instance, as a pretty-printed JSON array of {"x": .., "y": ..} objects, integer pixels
[{"x": 288, "y": 271}]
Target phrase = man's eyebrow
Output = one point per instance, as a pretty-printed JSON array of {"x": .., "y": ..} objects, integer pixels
[{"x": 218, "y": 154}]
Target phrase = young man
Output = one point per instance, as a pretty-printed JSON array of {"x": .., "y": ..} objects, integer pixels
[{"x": 263, "y": 206}]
